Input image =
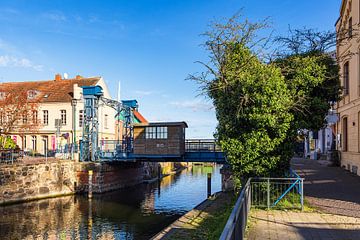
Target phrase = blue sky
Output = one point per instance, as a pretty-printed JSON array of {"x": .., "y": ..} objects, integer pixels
[{"x": 150, "y": 46}]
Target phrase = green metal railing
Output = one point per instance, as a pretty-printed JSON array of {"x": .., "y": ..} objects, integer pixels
[
  {"x": 236, "y": 225},
  {"x": 277, "y": 193}
]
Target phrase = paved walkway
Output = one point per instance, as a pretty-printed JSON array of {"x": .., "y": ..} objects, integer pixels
[
  {"x": 329, "y": 189},
  {"x": 291, "y": 225},
  {"x": 335, "y": 194}
]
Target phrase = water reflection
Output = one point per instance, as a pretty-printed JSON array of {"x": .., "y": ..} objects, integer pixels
[{"x": 133, "y": 213}]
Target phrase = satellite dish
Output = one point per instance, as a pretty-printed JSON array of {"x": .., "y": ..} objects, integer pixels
[{"x": 66, "y": 76}]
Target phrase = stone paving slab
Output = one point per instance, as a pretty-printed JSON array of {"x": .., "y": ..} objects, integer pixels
[
  {"x": 276, "y": 224},
  {"x": 331, "y": 190}
]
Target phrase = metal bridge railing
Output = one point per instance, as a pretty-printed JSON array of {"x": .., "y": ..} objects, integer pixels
[
  {"x": 283, "y": 193},
  {"x": 236, "y": 225},
  {"x": 202, "y": 145},
  {"x": 277, "y": 193}
]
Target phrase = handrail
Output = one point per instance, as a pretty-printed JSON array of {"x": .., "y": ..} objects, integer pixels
[
  {"x": 266, "y": 178},
  {"x": 236, "y": 225},
  {"x": 233, "y": 220}
]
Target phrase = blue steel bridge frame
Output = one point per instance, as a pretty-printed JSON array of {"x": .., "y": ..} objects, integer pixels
[
  {"x": 200, "y": 150},
  {"x": 196, "y": 150}
]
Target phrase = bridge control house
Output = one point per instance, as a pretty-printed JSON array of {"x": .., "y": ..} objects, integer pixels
[{"x": 165, "y": 139}]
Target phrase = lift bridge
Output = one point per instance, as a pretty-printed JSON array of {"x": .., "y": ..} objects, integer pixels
[{"x": 158, "y": 142}]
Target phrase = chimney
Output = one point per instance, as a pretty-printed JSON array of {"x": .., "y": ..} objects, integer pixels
[
  {"x": 78, "y": 77},
  {"x": 57, "y": 77}
]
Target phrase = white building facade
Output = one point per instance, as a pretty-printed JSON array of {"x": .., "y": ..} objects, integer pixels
[{"x": 62, "y": 102}]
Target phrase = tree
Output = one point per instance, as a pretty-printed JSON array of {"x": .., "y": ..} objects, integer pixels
[
  {"x": 261, "y": 106},
  {"x": 311, "y": 73},
  {"x": 18, "y": 112},
  {"x": 251, "y": 98}
]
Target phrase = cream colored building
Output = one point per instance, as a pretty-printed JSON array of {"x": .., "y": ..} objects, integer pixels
[
  {"x": 348, "y": 127},
  {"x": 57, "y": 102}
]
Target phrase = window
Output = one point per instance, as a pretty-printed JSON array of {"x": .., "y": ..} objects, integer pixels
[
  {"x": 81, "y": 118},
  {"x": 344, "y": 134},
  {"x": 156, "y": 132},
  {"x": 63, "y": 117},
  {"x": 2, "y": 117},
  {"x": 350, "y": 28},
  {"x": 46, "y": 117},
  {"x": 2, "y": 95},
  {"x": 106, "y": 121},
  {"x": 24, "y": 118},
  {"x": 346, "y": 78},
  {"x": 9, "y": 117},
  {"x": 34, "y": 142},
  {"x": 24, "y": 142},
  {"x": 31, "y": 94},
  {"x": 161, "y": 132},
  {"x": 358, "y": 132},
  {"x": 358, "y": 71},
  {"x": 150, "y": 132},
  {"x": 35, "y": 116}
]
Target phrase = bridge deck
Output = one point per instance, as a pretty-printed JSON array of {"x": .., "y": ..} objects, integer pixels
[
  {"x": 217, "y": 157},
  {"x": 195, "y": 151}
]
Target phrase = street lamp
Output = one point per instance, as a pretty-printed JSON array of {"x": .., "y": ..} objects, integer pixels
[{"x": 73, "y": 104}]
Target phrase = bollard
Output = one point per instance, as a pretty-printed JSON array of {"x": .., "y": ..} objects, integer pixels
[
  {"x": 268, "y": 194},
  {"x": 90, "y": 183},
  {"x": 208, "y": 185},
  {"x": 159, "y": 171},
  {"x": 302, "y": 195}
]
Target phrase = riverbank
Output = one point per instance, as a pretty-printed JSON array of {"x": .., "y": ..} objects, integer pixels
[
  {"x": 205, "y": 221},
  {"x": 40, "y": 179},
  {"x": 137, "y": 212}
]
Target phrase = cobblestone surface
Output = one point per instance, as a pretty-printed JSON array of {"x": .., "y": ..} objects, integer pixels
[
  {"x": 293, "y": 225},
  {"x": 329, "y": 189}
]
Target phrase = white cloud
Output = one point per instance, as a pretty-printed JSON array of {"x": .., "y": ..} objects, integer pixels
[
  {"x": 196, "y": 105},
  {"x": 56, "y": 16},
  {"x": 9, "y": 11},
  {"x": 143, "y": 93},
  {"x": 11, "y": 61}
]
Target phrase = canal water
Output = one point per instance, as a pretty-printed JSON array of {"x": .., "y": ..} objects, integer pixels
[{"x": 133, "y": 213}]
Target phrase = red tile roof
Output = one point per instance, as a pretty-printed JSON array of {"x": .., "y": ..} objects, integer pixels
[
  {"x": 51, "y": 90},
  {"x": 140, "y": 117}
]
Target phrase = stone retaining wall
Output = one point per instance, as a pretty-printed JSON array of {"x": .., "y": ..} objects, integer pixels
[
  {"x": 22, "y": 182},
  {"x": 26, "y": 182}
]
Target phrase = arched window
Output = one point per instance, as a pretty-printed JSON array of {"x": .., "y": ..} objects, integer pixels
[
  {"x": 346, "y": 78},
  {"x": 344, "y": 146},
  {"x": 350, "y": 27},
  {"x": 358, "y": 125}
]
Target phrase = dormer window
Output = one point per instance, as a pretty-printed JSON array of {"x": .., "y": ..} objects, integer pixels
[
  {"x": 32, "y": 94},
  {"x": 2, "y": 95}
]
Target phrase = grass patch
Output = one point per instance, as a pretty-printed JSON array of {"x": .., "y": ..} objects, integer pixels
[
  {"x": 290, "y": 202},
  {"x": 211, "y": 225}
]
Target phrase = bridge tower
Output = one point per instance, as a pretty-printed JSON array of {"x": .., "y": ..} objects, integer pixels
[
  {"x": 128, "y": 135},
  {"x": 89, "y": 146},
  {"x": 89, "y": 143}
]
